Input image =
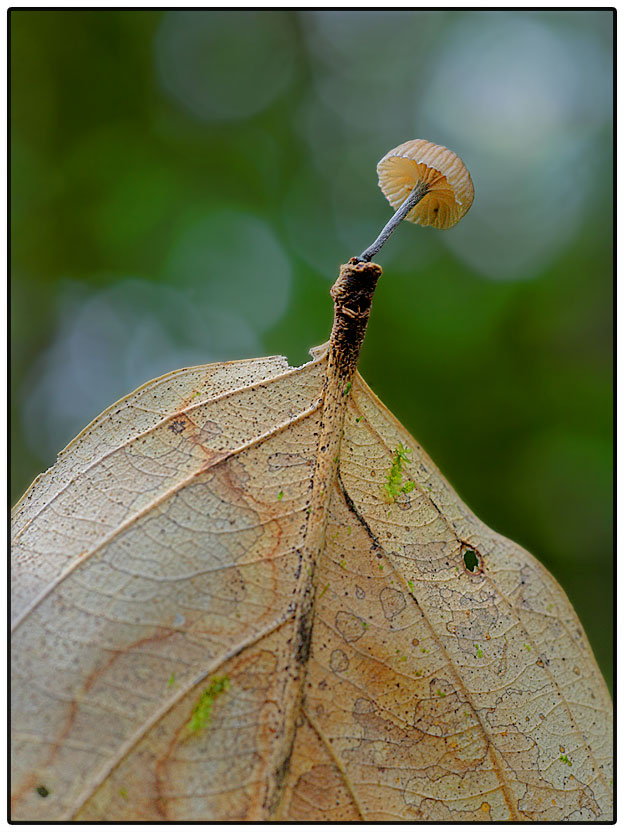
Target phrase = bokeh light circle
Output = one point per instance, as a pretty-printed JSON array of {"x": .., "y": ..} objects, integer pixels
[
  {"x": 523, "y": 106},
  {"x": 225, "y": 65},
  {"x": 233, "y": 261}
]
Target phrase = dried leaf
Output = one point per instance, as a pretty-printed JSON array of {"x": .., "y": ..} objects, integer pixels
[{"x": 244, "y": 592}]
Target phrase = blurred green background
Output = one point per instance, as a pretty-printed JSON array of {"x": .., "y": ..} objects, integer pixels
[{"x": 185, "y": 185}]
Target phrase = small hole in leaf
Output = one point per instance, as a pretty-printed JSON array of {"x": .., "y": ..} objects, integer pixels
[
  {"x": 42, "y": 791},
  {"x": 471, "y": 560}
]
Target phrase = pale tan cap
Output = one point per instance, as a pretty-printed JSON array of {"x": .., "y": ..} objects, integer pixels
[{"x": 451, "y": 191}]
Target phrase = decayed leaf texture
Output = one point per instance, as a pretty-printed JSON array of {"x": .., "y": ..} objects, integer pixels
[{"x": 241, "y": 593}]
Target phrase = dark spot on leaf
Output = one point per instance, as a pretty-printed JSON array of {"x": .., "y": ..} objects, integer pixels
[
  {"x": 471, "y": 560},
  {"x": 177, "y": 426},
  {"x": 42, "y": 791},
  {"x": 304, "y": 636}
]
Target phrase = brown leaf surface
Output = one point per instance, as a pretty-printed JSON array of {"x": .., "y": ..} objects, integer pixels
[{"x": 222, "y": 611}]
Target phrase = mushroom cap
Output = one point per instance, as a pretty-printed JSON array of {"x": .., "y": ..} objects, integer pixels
[{"x": 450, "y": 186}]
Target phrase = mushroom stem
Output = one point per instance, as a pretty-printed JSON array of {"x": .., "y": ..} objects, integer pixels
[{"x": 421, "y": 190}]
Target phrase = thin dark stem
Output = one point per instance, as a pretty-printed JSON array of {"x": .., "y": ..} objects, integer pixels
[{"x": 415, "y": 196}]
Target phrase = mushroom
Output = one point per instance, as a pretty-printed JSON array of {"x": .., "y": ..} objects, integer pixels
[{"x": 427, "y": 183}]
